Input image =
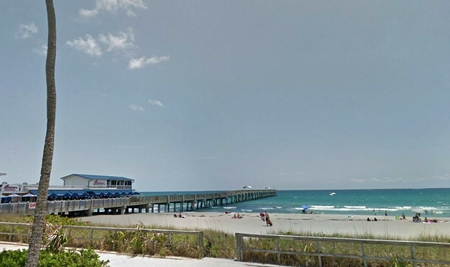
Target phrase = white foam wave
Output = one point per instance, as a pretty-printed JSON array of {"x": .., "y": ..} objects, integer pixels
[
  {"x": 356, "y": 207},
  {"x": 321, "y": 207},
  {"x": 229, "y": 208}
]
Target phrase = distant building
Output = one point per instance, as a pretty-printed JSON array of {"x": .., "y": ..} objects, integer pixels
[
  {"x": 97, "y": 181},
  {"x": 76, "y": 186}
]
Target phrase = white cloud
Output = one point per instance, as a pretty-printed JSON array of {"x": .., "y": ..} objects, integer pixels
[
  {"x": 88, "y": 46},
  {"x": 41, "y": 50},
  {"x": 130, "y": 13},
  {"x": 155, "y": 103},
  {"x": 123, "y": 41},
  {"x": 138, "y": 63},
  {"x": 88, "y": 13},
  {"x": 377, "y": 180},
  {"x": 136, "y": 107},
  {"x": 26, "y": 30},
  {"x": 113, "y": 6},
  {"x": 445, "y": 177}
]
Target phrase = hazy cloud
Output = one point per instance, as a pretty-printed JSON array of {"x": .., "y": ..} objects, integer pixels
[
  {"x": 88, "y": 13},
  {"x": 26, "y": 30},
  {"x": 155, "y": 103},
  {"x": 130, "y": 13},
  {"x": 138, "y": 63},
  {"x": 41, "y": 50},
  {"x": 88, "y": 46},
  {"x": 122, "y": 41},
  {"x": 113, "y": 6},
  {"x": 377, "y": 180},
  {"x": 136, "y": 107},
  {"x": 445, "y": 177}
]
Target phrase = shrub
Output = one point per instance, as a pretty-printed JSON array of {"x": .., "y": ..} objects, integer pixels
[{"x": 72, "y": 258}]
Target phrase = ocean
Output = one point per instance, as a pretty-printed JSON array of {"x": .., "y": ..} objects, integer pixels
[{"x": 431, "y": 202}]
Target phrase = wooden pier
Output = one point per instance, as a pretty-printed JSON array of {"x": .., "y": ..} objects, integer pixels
[{"x": 124, "y": 205}]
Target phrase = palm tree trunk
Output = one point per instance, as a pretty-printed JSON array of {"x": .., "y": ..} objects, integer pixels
[{"x": 47, "y": 158}]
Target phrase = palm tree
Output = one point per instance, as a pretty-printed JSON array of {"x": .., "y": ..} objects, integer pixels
[{"x": 47, "y": 158}]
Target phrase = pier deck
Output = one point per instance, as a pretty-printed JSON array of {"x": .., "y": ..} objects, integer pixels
[{"x": 123, "y": 205}]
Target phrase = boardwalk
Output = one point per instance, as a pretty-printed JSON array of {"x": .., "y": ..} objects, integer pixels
[{"x": 124, "y": 205}]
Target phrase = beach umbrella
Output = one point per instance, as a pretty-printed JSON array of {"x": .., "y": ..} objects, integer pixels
[
  {"x": 305, "y": 207},
  {"x": 29, "y": 195}
]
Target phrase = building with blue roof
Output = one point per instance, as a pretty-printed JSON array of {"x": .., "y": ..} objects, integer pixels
[
  {"x": 98, "y": 181},
  {"x": 89, "y": 186}
]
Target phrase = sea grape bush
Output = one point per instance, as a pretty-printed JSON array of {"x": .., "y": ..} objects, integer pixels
[{"x": 47, "y": 258}]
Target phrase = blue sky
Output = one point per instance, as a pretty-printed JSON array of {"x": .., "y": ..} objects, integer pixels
[{"x": 215, "y": 95}]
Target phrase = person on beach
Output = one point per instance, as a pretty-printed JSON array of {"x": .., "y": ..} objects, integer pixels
[
  {"x": 268, "y": 221},
  {"x": 262, "y": 216}
]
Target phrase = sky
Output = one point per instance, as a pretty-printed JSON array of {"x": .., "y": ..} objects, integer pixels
[{"x": 216, "y": 95}]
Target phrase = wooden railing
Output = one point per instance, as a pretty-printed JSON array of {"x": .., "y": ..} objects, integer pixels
[
  {"x": 317, "y": 243},
  {"x": 188, "y": 200},
  {"x": 20, "y": 232},
  {"x": 317, "y": 246}
]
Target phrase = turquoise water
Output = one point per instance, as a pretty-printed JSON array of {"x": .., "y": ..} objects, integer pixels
[{"x": 431, "y": 202}]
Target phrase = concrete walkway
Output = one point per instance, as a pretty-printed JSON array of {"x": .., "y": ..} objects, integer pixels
[{"x": 116, "y": 260}]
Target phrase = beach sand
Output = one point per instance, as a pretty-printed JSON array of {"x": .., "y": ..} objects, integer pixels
[{"x": 386, "y": 226}]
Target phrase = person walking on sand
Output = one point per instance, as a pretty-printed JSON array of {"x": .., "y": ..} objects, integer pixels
[
  {"x": 261, "y": 215},
  {"x": 266, "y": 215}
]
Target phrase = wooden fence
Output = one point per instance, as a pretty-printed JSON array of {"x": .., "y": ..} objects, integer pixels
[
  {"x": 315, "y": 247},
  {"x": 20, "y": 232}
]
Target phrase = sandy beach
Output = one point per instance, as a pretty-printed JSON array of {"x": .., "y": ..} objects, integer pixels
[{"x": 386, "y": 226}]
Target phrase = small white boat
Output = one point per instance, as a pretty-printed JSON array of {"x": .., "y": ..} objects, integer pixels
[{"x": 332, "y": 194}]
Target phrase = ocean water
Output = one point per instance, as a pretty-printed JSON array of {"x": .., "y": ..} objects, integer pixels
[{"x": 428, "y": 202}]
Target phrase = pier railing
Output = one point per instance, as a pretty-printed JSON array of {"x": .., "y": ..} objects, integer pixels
[
  {"x": 142, "y": 203},
  {"x": 324, "y": 251}
]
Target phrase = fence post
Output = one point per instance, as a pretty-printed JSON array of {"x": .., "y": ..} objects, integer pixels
[
  {"x": 278, "y": 251},
  {"x": 200, "y": 243},
  {"x": 319, "y": 258},
  {"x": 363, "y": 251},
  {"x": 239, "y": 247},
  {"x": 91, "y": 237},
  {"x": 11, "y": 231},
  {"x": 413, "y": 254},
  {"x": 114, "y": 240}
]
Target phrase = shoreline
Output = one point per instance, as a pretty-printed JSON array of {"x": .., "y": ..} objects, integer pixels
[{"x": 352, "y": 225}]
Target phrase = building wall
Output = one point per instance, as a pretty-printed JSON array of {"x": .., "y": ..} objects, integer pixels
[
  {"x": 76, "y": 180},
  {"x": 98, "y": 183}
]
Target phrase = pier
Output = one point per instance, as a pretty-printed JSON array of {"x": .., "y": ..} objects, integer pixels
[{"x": 140, "y": 204}]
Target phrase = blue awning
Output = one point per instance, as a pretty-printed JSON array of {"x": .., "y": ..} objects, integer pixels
[
  {"x": 61, "y": 193},
  {"x": 49, "y": 193},
  {"x": 82, "y": 193},
  {"x": 101, "y": 192}
]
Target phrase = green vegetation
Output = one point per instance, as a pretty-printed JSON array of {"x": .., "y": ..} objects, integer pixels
[
  {"x": 47, "y": 258},
  {"x": 54, "y": 240},
  {"x": 143, "y": 240}
]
